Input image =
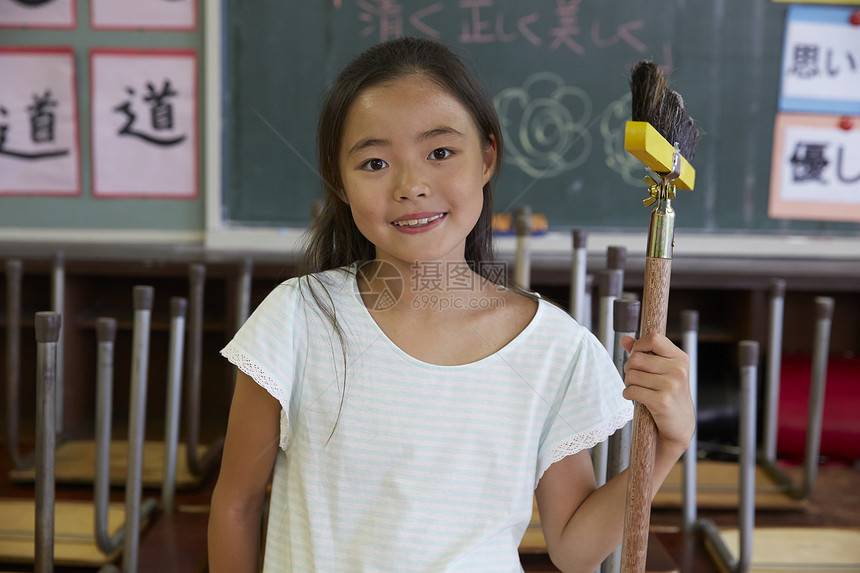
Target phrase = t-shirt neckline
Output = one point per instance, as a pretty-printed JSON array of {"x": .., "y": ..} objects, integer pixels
[{"x": 353, "y": 282}]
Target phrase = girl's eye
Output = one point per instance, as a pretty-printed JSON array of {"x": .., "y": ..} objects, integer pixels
[
  {"x": 374, "y": 165},
  {"x": 441, "y": 153}
]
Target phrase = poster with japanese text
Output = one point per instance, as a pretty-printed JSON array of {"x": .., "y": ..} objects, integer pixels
[
  {"x": 38, "y": 14},
  {"x": 144, "y": 14},
  {"x": 39, "y": 152},
  {"x": 815, "y": 171},
  {"x": 144, "y": 123},
  {"x": 821, "y": 61}
]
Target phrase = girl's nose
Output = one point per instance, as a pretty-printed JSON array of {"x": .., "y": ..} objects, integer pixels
[{"x": 410, "y": 184}]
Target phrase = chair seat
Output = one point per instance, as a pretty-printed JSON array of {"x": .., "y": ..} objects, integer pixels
[
  {"x": 75, "y": 463},
  {"x": 74, "y": 527}
]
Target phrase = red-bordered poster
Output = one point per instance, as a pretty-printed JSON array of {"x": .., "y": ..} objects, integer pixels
[
  {"x": 143, "y": 14},
  {"x": 815, "y": 171},
  {"x": 144, "y": 123},
  {"x": 57, "y": 14},
  {"x": 39, "y": 145}
]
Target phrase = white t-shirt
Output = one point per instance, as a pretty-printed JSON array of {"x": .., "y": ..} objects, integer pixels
[{"x": 410, "y": 466}]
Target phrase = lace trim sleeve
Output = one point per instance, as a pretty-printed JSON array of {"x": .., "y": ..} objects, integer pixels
[
  {"x": 250, "y": 367},
  {"x": 586, "y": 440},
  {"x": 253, "y": 369}
]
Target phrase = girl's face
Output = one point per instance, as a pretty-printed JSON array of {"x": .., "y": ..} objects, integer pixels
[{"x": 413, "y": 166}]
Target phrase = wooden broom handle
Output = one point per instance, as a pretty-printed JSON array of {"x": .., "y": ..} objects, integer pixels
[{"x": 637, "y": 515}]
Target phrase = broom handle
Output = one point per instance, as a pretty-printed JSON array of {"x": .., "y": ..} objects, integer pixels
[{"x": 655, "y": 302}]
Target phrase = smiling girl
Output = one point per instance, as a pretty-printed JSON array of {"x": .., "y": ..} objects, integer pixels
[{"x": 406, "y": 434}]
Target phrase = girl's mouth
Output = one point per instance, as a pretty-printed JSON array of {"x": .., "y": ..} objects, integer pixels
[{"x": 415, "y": 223}]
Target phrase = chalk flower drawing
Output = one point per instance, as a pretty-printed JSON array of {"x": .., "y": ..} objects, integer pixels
[
  {"x": 612, "y": 123},
  {"x": 545, "y": 125}
]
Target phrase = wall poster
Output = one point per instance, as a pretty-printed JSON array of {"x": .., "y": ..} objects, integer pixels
[
  {"x": 144, "y": 123},
  {"x": 39, "y": 144}
]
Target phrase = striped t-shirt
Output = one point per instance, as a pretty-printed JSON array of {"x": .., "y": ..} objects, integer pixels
[{"x": 409, "y": 466}]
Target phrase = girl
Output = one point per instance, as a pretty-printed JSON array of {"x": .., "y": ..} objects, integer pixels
[{"x": 409, "y": 405}]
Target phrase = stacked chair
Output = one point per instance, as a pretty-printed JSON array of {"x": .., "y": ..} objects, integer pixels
[
  {"x": 747, "y": 548},
  {"x": 51, "y": 530}
]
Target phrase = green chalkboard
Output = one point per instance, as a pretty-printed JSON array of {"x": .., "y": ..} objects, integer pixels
[{"x": 558, "y": 73}]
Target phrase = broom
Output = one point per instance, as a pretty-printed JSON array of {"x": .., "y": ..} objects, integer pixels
[{"x": 663, "y": 137}]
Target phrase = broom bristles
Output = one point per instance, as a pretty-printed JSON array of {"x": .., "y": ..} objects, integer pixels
[{"x": 663, "y": 108}]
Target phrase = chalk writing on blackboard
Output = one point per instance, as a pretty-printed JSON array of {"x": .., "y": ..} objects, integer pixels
[
  {"x": 483, "y": 22},
  {"x": 545, "y": 125},
  {"x": 612, "y": 123}
]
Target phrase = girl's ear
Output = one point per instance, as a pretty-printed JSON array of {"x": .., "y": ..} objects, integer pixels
[{"x": 489, "y": 158}]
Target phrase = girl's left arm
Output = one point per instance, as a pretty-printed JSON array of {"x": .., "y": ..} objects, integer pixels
[
  {"x": 582, "y": 524},
  {"x": 238, "y": 499}
]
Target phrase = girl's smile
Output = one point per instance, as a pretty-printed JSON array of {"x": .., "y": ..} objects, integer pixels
[
  {"x": 418, "y": 223},
  {"x": 413, "y": 166}
]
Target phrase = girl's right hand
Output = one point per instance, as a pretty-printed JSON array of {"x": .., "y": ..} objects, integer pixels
[{"x": 657, "y": 375}]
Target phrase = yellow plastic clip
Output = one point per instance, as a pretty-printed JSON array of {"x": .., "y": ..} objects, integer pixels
[{"x": 648, "y": 146}]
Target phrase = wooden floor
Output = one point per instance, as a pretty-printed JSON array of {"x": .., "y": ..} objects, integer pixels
[{"x": 176, "y": 543}]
